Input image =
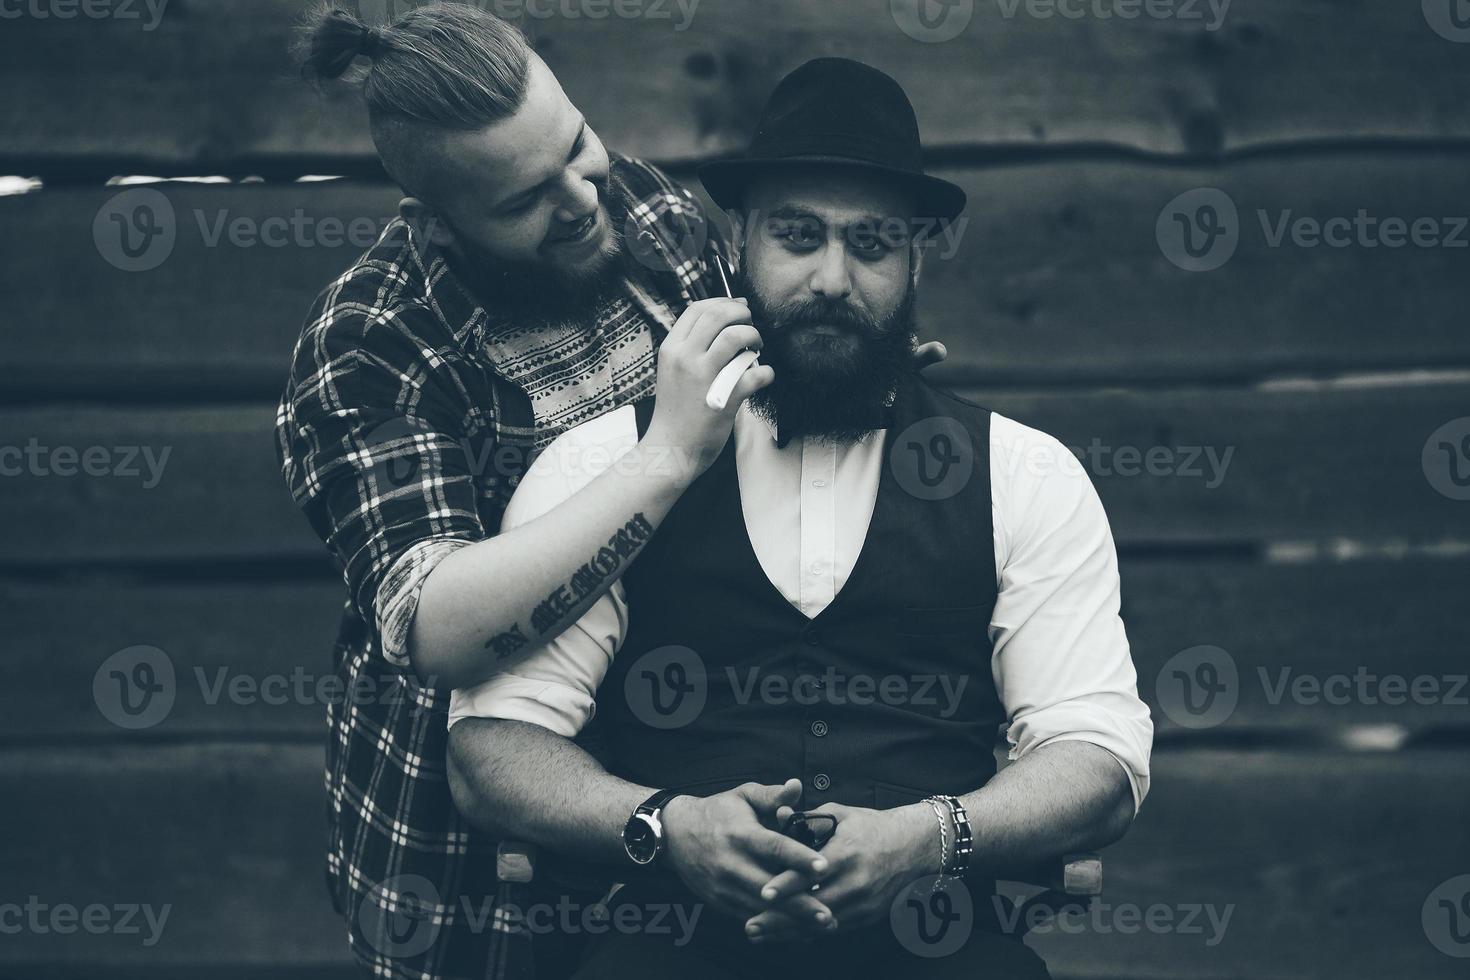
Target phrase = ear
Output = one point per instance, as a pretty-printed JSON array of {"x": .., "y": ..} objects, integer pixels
[
  {"x": 916, "y": 261},
  {"x": 426, "y": 224},
  {"x": 737, "y": 238}
]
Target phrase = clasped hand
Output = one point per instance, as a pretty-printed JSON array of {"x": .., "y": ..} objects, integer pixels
[{"x": 727, "y": 850}]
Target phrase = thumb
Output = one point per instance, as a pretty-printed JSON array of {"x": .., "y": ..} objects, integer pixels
[
  {"x": 927, "y": 355},
  {"x": 768, "y": 798}
]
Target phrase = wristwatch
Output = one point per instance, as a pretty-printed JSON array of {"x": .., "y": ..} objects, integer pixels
[{"x": 643, "y": 836}]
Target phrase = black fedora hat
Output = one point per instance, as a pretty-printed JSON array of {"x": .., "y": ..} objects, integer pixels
[{"x": 833, "y": 112}]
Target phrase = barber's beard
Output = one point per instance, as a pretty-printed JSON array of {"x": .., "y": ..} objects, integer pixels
[
  {"x": 536, "y": 292},
  {"x": 833, "y": 389}
]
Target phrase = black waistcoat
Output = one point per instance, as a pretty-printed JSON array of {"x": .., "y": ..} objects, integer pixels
[{"x": 882, "y": 699}]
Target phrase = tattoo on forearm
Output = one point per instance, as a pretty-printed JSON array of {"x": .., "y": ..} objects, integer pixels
[{"x": 587, "y": 580}]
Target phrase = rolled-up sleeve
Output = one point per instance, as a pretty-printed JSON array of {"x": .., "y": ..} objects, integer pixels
[
  {"x": 374, "y": 452},
  {"x": 555, "y": 684},
  {"x": 399, "y": 590},
  {"x": 1061, "y": 663},
  {"x": 556, "y": 707}
]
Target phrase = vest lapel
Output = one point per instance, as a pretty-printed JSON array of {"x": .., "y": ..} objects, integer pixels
[{"x": 881, "y": 527}]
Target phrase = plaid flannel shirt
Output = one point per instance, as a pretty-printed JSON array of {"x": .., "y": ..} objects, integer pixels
[{"x": 407, "y": 420}]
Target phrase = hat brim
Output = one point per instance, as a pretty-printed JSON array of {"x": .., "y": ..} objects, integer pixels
[{"x": 726, "y": 181}]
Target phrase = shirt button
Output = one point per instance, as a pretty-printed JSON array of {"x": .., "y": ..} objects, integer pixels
[
  {"x": 821, "y": 782},
  {"x": 819, "y": 484},
  {"x": 817, "y": 567},
  {"x": 819, "y": 728}
]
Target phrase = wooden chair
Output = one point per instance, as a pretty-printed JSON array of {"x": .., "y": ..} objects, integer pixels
[{"x": 1073, "y": 883}]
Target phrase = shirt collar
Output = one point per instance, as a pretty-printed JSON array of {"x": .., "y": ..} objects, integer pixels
[{"x": 449, "y": 298}]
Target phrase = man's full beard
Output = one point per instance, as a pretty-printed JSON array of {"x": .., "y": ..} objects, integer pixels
[
  {"x": 827, "y": 388},
  {"x": 537, "y": 293}
]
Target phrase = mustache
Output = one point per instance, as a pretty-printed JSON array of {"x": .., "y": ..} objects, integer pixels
[
  {"x": 610, "y": 197},
  {"x": 821, "y": 312}
]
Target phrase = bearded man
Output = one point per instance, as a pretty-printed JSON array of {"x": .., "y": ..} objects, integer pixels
[{"x": 845, "y": 607}]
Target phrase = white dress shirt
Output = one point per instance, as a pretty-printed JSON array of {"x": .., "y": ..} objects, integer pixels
[{"x": 1061, "y": 662}]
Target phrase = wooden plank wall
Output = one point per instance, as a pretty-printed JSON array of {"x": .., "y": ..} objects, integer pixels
[{"x": 1288, "y": 530}]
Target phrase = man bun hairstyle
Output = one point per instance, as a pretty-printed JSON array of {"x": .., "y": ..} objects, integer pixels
[
  {"x": 444, "y": 63},
  {"x": 334, "y": 40},
  {"x": 441, "y": 66}
]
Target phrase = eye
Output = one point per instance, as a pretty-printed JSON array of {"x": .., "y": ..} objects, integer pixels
[
  {"x": 519, "y": 205},
  {"x": 866, "y": 245},
  {"x": 871, "y": 241},
  {"x": 799, "y": 236},
  {"x": 520, "y": 208}
]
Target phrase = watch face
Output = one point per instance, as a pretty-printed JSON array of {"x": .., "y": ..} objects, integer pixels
[{"x": 640, "y": 838}]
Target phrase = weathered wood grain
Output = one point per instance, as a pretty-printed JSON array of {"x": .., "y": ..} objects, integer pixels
[
  {"x": 1308, "y": 462},
  {"x": 1173, "y": 466},
  {"x": 1056, "y": 276},
  {"x": 252, "y": 659},
  {"x": 215, "y": 309},
  {"x": 1315, "y": 646},
  {"x": 230, "y": 837},
  {"x": 191, "y": 484},
  {"x": 208, "y": 84},
  {"x": 1060, "y": 275},
  {"x": 248, "y": 659},
  {"x": 1323, "y": 860}
]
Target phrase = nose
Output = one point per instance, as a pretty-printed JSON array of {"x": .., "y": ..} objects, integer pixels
[
  {"x": 578, "y": 200},
  {"x": 831, "y": 279}
]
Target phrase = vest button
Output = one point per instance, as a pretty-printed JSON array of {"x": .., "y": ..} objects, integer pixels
[
  {"x": 812, "y": 635},
  {"x": 819, "y": 728},
  {"x": 821, "y": 782}
]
